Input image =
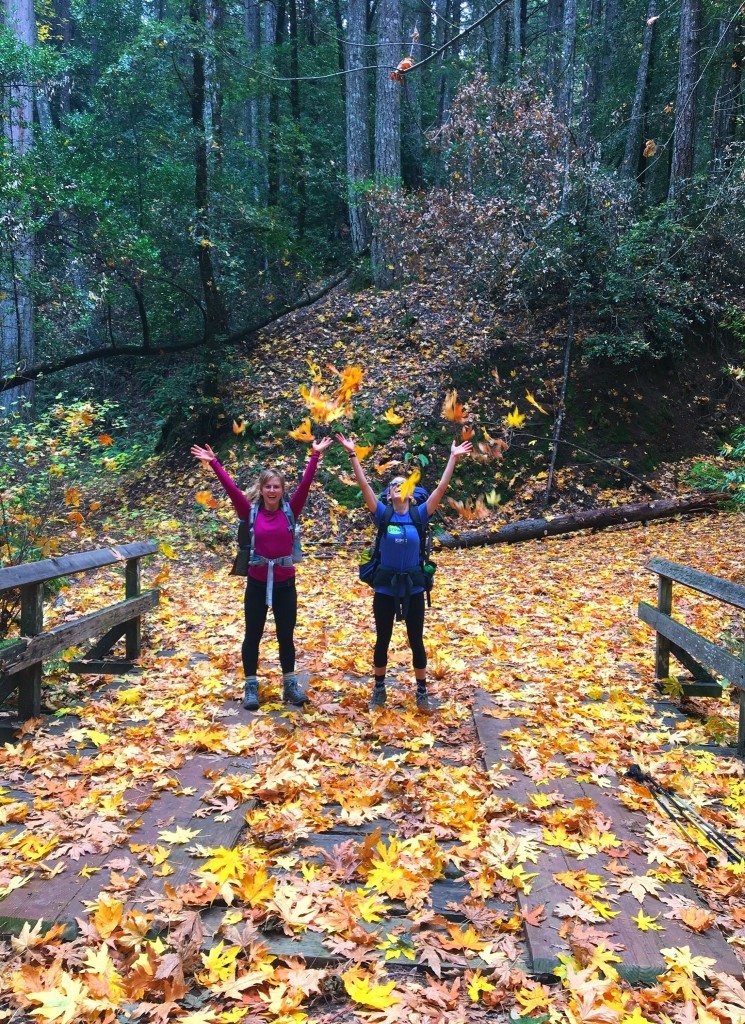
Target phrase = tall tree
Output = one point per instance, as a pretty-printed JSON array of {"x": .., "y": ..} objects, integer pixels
[
  {"x": 566, "y": 98},
  {"x": 387, "y": 133},
  {"x": 215, "y": 315},
  {"x": 554, "y": 17},
  {"x": 17, "y": 342},
  {"x": 519, "y": 31},
  {"x": 299, "y": 162},
  {"x": 636, "y": 118},
  {"x": 358, "y": 139},
  {"x": 252, "y": 111},
  {"x": 684, "y": 137},
  {"x": 729, "y": 91}
]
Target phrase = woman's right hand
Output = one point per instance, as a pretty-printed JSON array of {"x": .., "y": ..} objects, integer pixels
[
  {"x": 203, "y": 454},
  {"x": 346, "y": 444}
]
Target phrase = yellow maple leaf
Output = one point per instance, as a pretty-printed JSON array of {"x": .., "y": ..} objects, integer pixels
[
  {"x": 179, "y": 835},
  {"x": 393, "y": 418},
  {"x": 362, "y": 451},
  {"x": 303, "y": 432},
  {"x": 219, "y": 964},
  {"x": 406, "y": 489},
  {"x": 360, "y": 989},
  {"x": 62, "y": 1004},
  {"x": 682, "y": 958},
  {"x": 647, "y": 924},
  {"x": 515, "y": 419},
  {"x": 477, "y": 985},
  {"x": 531, "y": 399},
  {"x": 533, "y": 996},
  {"x": 225, "y": 865},
  {"x": 107, "y": 916}
]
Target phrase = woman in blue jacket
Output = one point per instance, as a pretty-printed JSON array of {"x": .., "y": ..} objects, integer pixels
[{"x": 399, "y": 590}]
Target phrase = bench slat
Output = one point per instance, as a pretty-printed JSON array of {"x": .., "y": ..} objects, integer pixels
[
  {"x": 68, "y": 634},
  {"x": 704, "y": 651},
  {"x": 51, "y": 568},
  {"x": 704, "y": 582}
]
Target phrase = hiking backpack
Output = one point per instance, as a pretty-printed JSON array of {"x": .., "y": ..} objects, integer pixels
[
  {"x": 369, "y": 568},
  {"x": 246, "y": 538}
]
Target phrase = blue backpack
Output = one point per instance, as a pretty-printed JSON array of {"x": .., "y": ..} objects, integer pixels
[{"x": 369, "y": 568}]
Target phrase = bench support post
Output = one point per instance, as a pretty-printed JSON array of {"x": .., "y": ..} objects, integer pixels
[
  {"x": 741, "y": 725},
  {"x": 32, "y": 623},
  {"x": 662, "y": 646},
  {"x": 132, "y": 589}
]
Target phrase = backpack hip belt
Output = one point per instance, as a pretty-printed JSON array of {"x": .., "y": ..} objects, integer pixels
[{"x": 285, "y": 562}]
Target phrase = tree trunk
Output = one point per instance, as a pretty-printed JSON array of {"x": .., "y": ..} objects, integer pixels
[
  {"x": 566, "y": 99},
  {"x": 214, "y": 75},
  {"x": 275, "y": 19},
  {"x": 497, "y": 43},
  {"x": 446, "y": 29},
  {"x": 636, "y": 119},
  {"x": 593, "y": 57},
  {"x": 684, "y": 136},
  {"x": 592, "y": 519},
  {"x": 387, "y": 136},
  {"x": 358, "y": 139},
  {"x": 299, "y": 168},
  {"x": 728, "y": 94},
  {"x": 554, "y": 19},
  {"x": 214, "y": 309},
  {"x": 252, "y": 109},
  {"x": 17, "y": 342},
  {"x": 411, "y": 115},
  {"x": 519, "y": 31}
]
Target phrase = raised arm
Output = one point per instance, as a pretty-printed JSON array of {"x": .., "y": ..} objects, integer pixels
[
  {"x": 368, "y": 493},
  {"x": 207, "y": 457},
  {"x": 457, "y": 451},
  {"x": 300, "y": 495}
]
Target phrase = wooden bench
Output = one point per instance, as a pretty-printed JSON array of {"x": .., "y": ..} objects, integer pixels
[
  {"x": 21, "y": 661},
  {"x": 701, "y": 657}
]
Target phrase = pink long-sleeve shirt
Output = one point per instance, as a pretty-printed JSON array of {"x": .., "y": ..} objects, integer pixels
[{"x": 272, "y": 538}]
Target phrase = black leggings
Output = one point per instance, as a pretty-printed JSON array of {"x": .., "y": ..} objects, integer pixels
[
  {"x": 285, "y": 616},
  {"x": 384, "y": 609}
]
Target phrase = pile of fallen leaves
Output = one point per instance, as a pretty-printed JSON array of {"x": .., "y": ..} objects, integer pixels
[{"x": 548, "y": 630}]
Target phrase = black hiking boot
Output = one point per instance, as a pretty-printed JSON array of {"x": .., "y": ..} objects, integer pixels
[
  {"x": 378, "y": 696},
  {"x": 251, "y": 695},
  {"x": 292, "y": 691}
]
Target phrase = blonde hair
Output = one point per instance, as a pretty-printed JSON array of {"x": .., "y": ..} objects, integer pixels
[{"x": 253, "y": 491}]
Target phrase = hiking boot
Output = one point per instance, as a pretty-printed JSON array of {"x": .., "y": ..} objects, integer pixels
[
  {"x": 378, "y": 696},
  {"x": 292, "y": 691},
  {"x": 251, "y": 695},
  {"x": 422, "y": 699}
]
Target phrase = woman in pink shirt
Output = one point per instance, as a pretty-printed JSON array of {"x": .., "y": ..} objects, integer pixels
[{"x": 271, "y": 574}]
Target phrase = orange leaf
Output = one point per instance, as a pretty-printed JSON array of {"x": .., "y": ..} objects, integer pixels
[{"x": 105, "y": 439}]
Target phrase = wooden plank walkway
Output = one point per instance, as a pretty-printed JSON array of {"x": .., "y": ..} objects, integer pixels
[{"x": 642, "y": 960}]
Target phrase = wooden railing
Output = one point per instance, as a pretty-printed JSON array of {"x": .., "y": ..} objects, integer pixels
[
  {"x": 700, "y": 656},
  {"x": 21, "y": 662}
]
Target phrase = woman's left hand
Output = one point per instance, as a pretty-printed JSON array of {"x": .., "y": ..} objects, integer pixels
[
  {"x": 459, "y": 450},
  {"x": 319, "y": 447}
]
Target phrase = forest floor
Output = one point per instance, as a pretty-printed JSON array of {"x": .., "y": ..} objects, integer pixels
[
  {"x": 339, "y": 864},
  {"x": 187, "y": 924}
]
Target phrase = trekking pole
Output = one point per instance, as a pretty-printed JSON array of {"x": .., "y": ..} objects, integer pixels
[{"x": 666, "y": 796}]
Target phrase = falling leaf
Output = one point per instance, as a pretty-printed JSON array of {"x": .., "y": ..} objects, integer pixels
[
  {"x": 515, "y": 419},
  {"x": 362, "y": 451},
  {"x": 650, "y": 148},
  {"x": 303, "y": 432},
  {"x": 206, "y": 499},
  {"x": 393, "y": 418},
  {"x": 105, "y": 440},
  {"x": 406, "y": 489},
  {"x": 452, "y": 408},
  {"x": 239, "y": 426},
  {"x": 531, "y": 399}
]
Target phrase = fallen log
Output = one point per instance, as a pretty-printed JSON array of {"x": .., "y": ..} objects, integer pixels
[{"x": 591, "y": 519}]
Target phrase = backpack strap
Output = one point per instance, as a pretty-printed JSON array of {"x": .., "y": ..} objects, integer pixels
[
  {"x": 425, "y": 544},
  {"x": 384, "y": 524}
]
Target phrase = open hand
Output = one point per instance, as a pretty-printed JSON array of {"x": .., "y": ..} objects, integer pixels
[
  {"x": 459, "y": 450},
  {"x": 319, "y": 447},
  {"x": 203, "y": 454},
  {"x": 346, "y": 444}
]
